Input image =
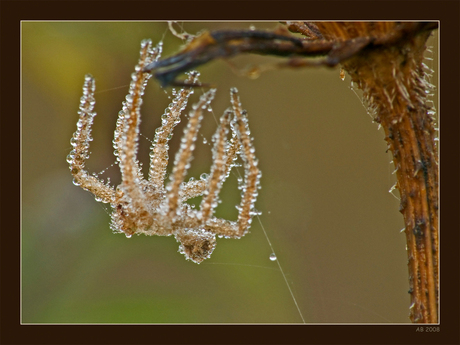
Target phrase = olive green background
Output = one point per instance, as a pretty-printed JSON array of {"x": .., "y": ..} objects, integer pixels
[{"x": 324, "y": 199}]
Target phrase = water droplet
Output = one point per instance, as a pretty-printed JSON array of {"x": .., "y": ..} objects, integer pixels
[
  {"x": 203, "y": 176},
  {"x": 272, "y": 257},
  {"x": 128, "y": 236},
  {"x": 205, "y": 141},
  {"x": 74, "y": 141}
]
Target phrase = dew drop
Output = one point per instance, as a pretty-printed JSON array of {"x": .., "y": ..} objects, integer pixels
[
  {"x": 203, "y": 176},
  {"x": 128, "y": 236},
  {"x": 205, "y": 141},
  {"x": 272, "y": 257},
  {"x": 74, "y": 141}
]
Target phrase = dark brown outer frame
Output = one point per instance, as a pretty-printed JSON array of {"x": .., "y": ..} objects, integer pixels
[{"x": 12, "y": 332}]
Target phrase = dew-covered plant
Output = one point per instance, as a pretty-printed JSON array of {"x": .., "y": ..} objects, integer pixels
[{"x": 151, "y": 206}]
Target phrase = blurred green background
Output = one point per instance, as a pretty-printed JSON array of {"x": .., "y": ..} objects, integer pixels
[{"x": 324, "y": 199}]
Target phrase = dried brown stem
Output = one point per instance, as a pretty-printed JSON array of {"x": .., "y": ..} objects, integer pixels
[
  {"x": 393, "y": 81},
  {"x": 385, "y": 60}
]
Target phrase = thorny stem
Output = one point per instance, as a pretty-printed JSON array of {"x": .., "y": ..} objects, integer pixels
[
  {"x": 385, "y": 60},
  {"x": 394, "y": 84}
]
